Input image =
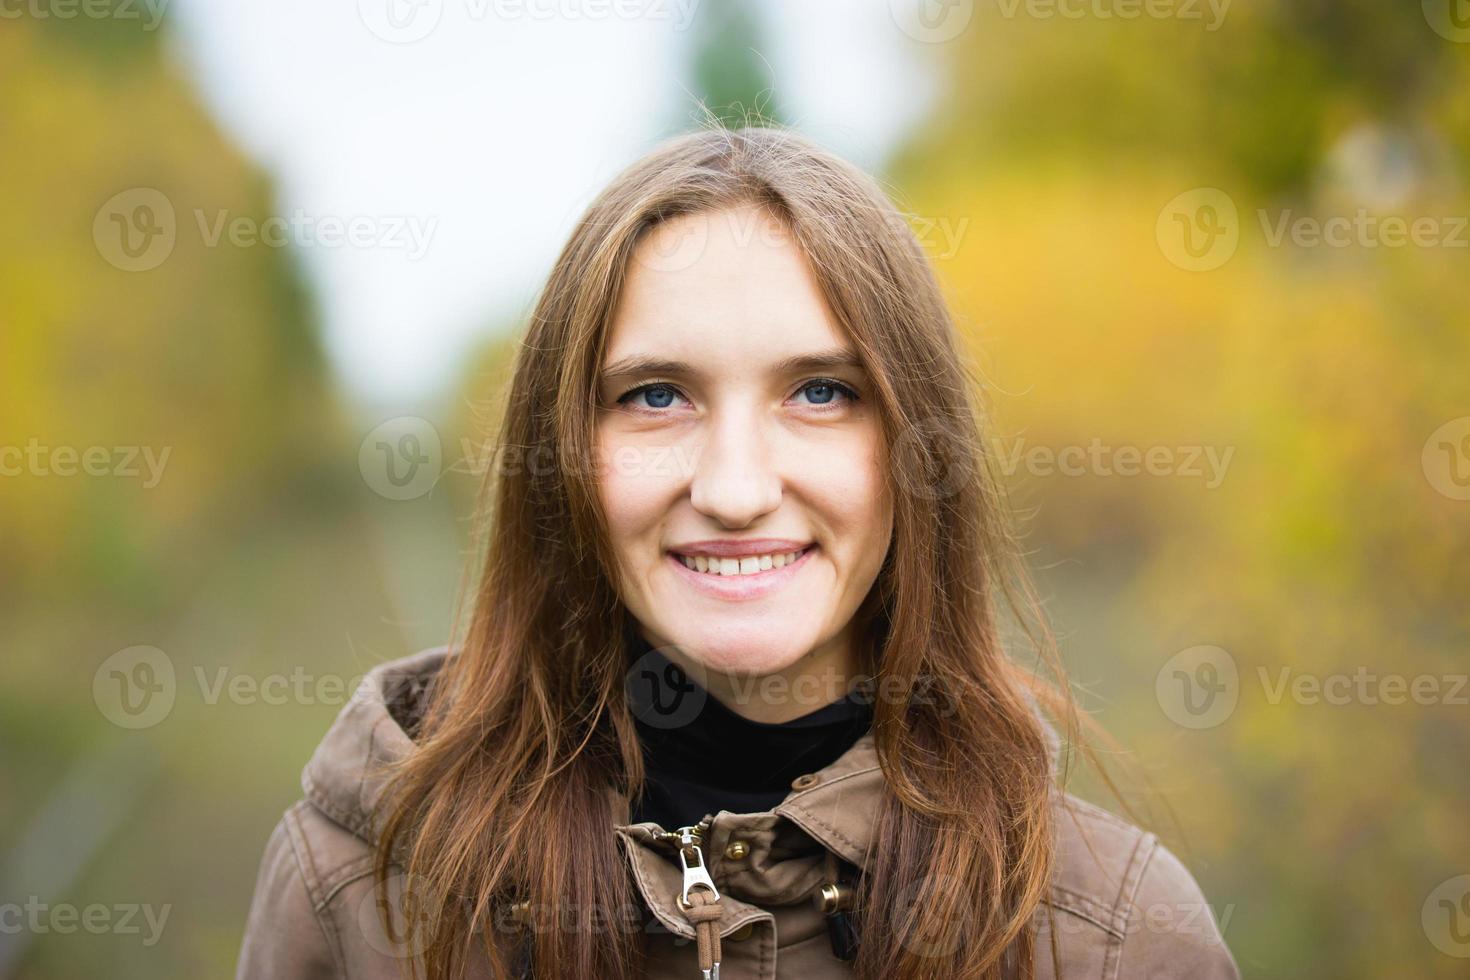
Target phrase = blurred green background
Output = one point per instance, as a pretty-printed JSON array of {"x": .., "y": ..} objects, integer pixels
[{"x": 1212, "y": 262}]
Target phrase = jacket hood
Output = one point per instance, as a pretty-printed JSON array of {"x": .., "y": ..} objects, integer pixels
[{"x": 344, "y": 777}]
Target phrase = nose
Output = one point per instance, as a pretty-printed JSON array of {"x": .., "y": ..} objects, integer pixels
[{"x": 735, "y": 479}]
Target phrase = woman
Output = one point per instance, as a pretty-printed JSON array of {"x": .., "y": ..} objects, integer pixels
[{"x": 732, "y": 697}]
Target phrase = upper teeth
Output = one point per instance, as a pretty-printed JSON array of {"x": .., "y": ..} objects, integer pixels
[{"x": 747, "y": 565}]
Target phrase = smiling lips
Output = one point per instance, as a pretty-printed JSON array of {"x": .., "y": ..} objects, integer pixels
[
  {"x": 740, "y": 569},
  {"x": 743, "y": 565}
]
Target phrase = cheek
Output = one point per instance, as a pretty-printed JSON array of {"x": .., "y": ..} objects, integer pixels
[
  {"x": 848, "y": 481},
  {"x": 634, "y": 491},
  {"x": 875, "y": 517}
]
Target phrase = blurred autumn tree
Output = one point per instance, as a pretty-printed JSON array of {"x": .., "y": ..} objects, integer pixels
[
  {"x": 200, "y": 391},
  {"x": 731, "y": 76},
  {"x": 1324, "y": 549},
  {"x": 209, "y": 357}
]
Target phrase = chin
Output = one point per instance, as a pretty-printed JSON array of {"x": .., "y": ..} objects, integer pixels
[
  {"x": 768, "y": 652},
  {"x": 747, "y": 662}
]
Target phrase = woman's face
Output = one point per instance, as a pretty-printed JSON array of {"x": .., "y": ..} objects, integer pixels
[{"x": 751, "y": 439}]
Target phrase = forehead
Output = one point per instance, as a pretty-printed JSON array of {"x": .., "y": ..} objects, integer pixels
[{"x": 724, "y": 287}]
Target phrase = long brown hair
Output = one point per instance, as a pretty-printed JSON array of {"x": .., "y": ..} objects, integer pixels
[{"x": 507, "y": 794}]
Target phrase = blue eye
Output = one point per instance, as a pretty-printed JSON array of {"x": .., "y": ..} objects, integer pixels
[
  {"x": 659, "y": 396},
  {"x": 825, "y": 390}
]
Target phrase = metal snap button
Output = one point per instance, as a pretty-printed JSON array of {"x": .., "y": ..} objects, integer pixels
[
  {"x": 736, "y": 850},
  {"x": 806, "y": 782},
  {"x": 742, "y": 934}
]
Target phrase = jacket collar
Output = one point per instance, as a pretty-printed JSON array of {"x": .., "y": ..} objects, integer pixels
[
  {"x": 841, "y": 808},
  {"x": 344, "y": 778}
]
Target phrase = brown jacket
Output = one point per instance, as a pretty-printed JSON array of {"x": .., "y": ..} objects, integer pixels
[{"x": 1123, "y": 905}]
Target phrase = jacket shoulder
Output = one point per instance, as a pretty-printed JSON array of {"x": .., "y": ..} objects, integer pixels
[
  {"x": 317, "y": 911},
  {"x": 1121, "y": 904},
  {"x": 289, "y": 932},
  {"x": 331, "y": 856}
]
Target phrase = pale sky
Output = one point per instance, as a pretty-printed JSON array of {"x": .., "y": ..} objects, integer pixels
[{"x": 466, "y": 136}]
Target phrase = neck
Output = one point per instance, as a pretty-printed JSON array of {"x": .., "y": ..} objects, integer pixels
[{"x": 823, "y": 675}]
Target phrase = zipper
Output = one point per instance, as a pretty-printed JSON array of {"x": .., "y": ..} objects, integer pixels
[{"x": 690, "y": 844}]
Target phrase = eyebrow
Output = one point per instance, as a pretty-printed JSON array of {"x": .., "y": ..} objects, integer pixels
[{"x": 819, "y": 360}]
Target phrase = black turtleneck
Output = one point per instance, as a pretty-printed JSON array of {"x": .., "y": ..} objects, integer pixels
[{"x": 701, "y": 757}]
